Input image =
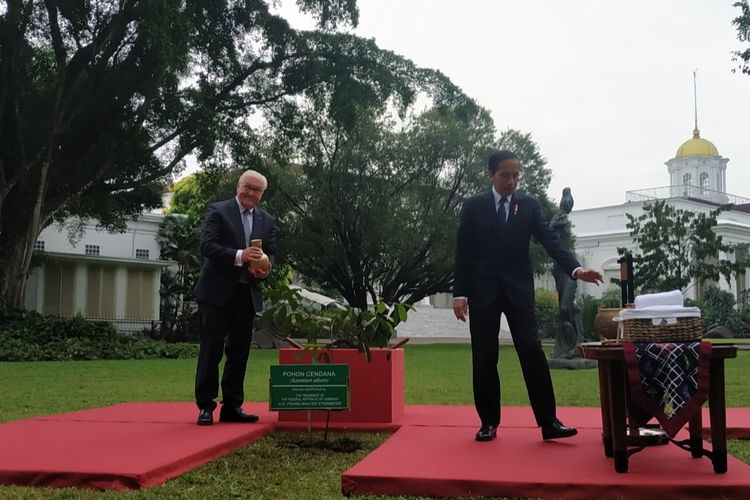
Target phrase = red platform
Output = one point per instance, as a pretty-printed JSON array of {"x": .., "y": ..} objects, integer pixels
[
  {"x": 446, "y": 461},
  {"x": 130, "y": 445},
  {"x": 133, "y": 445}
]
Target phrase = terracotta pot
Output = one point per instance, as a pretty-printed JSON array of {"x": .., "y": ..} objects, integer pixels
[
  {"x": 603, "y": 324},
  {"x": 376, "y": 388}
]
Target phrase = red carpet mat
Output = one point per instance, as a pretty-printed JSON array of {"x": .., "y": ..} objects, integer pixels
[
  {"x": 129, "y": 445},
  {"x": 134, "y": 445},
  {"x": 446, "y": 461},
  {"x": 512, "y": 416},
  {"x": 738, "y": 419}
]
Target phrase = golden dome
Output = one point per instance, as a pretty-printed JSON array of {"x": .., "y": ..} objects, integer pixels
[{"x": 697, "y": 147}]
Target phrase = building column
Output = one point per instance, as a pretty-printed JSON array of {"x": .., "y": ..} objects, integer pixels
[
  {"x": 121, "y": 290},
  {"x": 156, "y": 286},
  {"x": 34, "y": 294},
  {"x": 80, "y": 285}
]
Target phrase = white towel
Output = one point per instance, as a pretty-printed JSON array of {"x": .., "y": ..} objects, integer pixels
[
  {"x": 673, "y": 298},
  {"x": 655, "y": 312}
]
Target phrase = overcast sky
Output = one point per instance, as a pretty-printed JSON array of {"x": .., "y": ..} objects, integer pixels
[{"x": 605, "y": 88}]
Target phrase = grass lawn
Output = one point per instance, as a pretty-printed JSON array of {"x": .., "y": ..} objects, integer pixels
[{"x": 278, "y": 466}]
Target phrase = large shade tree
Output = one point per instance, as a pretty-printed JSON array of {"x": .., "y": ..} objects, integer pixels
[
  {"x": 100, "y": 101},
  {"x": 370, "y": 205},
  {"x": 675, "y": 248},
  {"x": 535, "y": 177},
  {"x": 385, "y": 215},
  {"x": 368, "y": 209}
]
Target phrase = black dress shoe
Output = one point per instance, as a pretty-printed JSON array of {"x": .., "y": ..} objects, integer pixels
[
  {"x": 557, "y": 430},
  {"x": 228, "y": 414},
  {"x": 205, "y": 417},
  {"x": 486, "y": 433}
]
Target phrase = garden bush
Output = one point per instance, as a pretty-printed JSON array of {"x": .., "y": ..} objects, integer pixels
[
  {"x": 718, "y": 309},
  {"x": 29, "y": 336},
  {"x": 547, "y": 311},
  {"x": 590, "y": 306}
]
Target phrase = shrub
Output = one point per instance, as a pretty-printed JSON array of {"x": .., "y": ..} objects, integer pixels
[
  {"x": 589, "y": 307},
  {"x": 547, "y": 311},
  {"x": 347, "y": 327},
  {"x": 612, "y": 297},
  {"x": 717, "y": 307},
  {"x": 29, "y": 336}
]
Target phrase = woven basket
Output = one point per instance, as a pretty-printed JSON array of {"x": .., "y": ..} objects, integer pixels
[{"x": 687, "y": 329}]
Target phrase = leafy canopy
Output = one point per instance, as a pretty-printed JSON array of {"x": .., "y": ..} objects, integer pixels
[
  {"x": 675, "y": 247},
  {"x": 102, "y": 101},
  {"x": 369, "y": 208},
  {"x": 742, "y": 23}
]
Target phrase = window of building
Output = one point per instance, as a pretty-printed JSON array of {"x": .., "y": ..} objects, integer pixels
[
  {"x": 39, "y": 246},
  {"x": 704, "y": 182},
  {"x": 141, "y": 253},
  {"x": 686, "y": 180},
  {"x": 59, "y": 289},
  {"x": 92, "y": 250},
  {"x": 100, "y": 292},
  {"x": 139, "y": 301}
]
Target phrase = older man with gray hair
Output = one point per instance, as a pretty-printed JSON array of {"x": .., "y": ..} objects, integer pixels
[{"x": 229, "y": 293}]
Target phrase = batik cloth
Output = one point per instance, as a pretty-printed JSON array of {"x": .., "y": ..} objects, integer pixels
[{"x": 668, "y": 381}]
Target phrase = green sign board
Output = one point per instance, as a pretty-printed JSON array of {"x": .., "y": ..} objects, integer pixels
[{"x": 309, "y": 387}]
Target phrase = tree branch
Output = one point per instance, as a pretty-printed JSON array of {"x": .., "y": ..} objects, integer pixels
[{"x": 58, "y": 45}]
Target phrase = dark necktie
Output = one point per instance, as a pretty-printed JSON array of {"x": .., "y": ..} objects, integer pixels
[
  {"x": 246, "y": 219},
  {"x": 246, "y": 216},
  {"x": 501, "y": 215}
]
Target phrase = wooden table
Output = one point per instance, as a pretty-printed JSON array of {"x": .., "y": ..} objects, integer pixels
[{"x": 613, "y": 394}]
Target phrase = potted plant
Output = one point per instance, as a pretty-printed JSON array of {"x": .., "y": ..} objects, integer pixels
[{"x": 346, "y": 335}]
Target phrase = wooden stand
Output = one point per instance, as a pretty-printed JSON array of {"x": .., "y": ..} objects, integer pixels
[{"x": 614, "y": 397}]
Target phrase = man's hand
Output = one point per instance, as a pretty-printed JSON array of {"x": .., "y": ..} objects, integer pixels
[
  {"x": 259, "y": 273},
  {"x": 460, "y": 308},
  {"x": 589, "y": 275},
  {"x": 251, "y": 253}
]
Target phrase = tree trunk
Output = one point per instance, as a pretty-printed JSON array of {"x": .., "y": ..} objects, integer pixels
[
  {"x": 13, "y": 273},
  {"x": 356, "y": 297},
  {"x": 27, "y": 247},
  {"x": 18, "y": 245}
]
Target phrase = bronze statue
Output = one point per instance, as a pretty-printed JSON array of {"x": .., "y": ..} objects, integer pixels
[{"x": 569, "y": 332}]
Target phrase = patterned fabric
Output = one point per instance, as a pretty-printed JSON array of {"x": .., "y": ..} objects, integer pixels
[{"x": 668, "y": 381}]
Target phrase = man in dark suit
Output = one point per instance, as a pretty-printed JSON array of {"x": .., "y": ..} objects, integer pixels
[
  {"x": 493, "y": 275},
  {"x": 229, "y": 295}
]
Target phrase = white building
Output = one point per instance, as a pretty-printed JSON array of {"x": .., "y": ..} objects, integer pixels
[
  {"x": 697, "y": 182},
  {"x": 107, "y": 276}
]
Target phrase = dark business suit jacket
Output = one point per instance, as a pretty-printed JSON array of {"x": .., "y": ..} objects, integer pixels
[
  {"x": 490, "y": 255},
  {"x": 222, "y": 235}
]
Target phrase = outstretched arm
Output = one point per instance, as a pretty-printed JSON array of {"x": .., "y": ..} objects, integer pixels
[{"x": 588, "y": 275}]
